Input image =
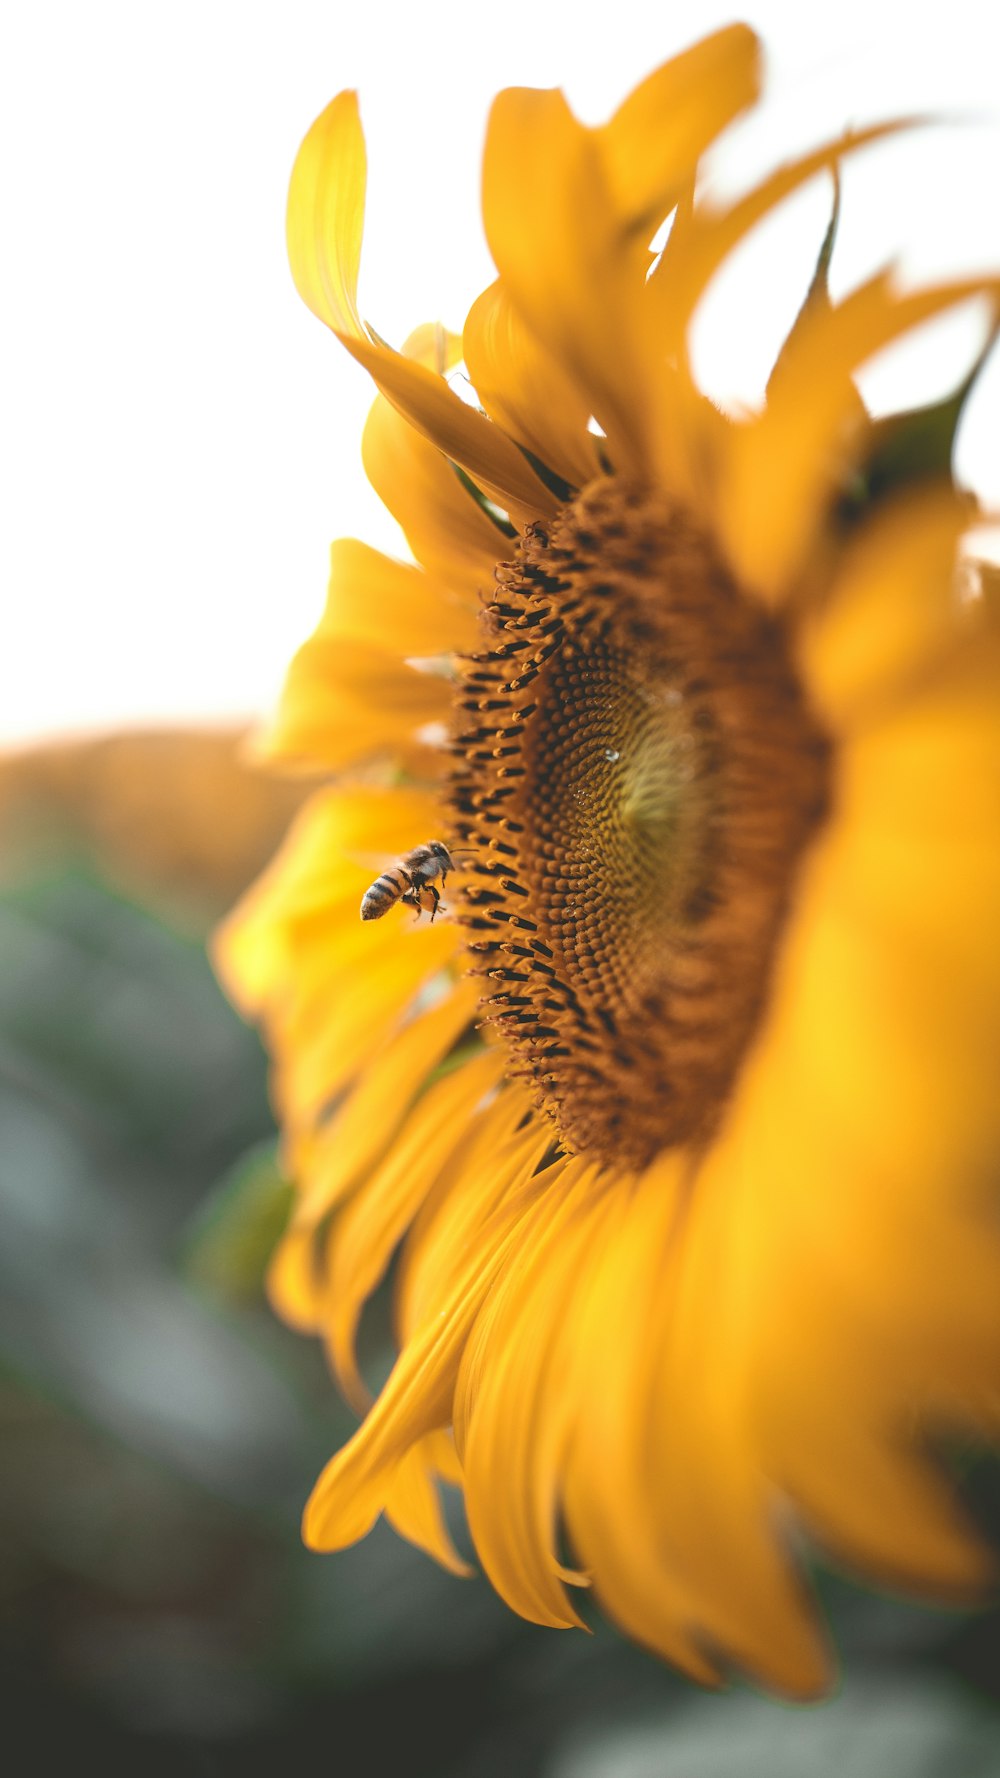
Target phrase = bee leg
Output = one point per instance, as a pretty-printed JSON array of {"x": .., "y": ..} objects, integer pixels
[
  {"x": 437, "y": 899},
  {"x": 411, "y": 899}
]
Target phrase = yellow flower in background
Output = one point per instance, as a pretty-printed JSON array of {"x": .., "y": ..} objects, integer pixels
[{"x": 682, "y": 1124}]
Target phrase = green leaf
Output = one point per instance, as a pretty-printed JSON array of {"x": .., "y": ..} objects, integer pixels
[{"x": 232, "y": 1237}]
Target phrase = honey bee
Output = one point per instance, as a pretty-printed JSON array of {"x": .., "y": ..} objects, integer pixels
[{"x": 409, "y": 881}]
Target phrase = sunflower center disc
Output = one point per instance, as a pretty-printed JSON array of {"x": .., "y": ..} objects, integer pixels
[{"x": 636, "y": 777}]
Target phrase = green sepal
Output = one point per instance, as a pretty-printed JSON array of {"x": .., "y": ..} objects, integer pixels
[
  {"x": 909, "y": 448},
  {"x": 230, "y": 1242},
  {"x": 556, "y": 484},
  {"x": 467, "y": 1049},
  {"x": 494, "y": 513}
]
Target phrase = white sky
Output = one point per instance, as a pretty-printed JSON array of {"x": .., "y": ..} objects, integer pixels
[{"x": 179, "y": 438}]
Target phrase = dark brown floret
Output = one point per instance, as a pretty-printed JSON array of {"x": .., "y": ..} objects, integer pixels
[{"x": 636, "y": 775}]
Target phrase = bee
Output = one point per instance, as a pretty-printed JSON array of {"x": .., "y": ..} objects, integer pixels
[{"x": 409, "y": 881}]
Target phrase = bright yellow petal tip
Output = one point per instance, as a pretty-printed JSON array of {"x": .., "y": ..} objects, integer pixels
[{"x": 326, "y": 215}]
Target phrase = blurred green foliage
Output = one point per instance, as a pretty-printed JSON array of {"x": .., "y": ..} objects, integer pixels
[
  {"x": 234, "y": 1233},
  {"x": 161, "y": 1431}
]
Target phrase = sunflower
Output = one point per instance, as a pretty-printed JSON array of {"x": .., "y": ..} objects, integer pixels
[{"x": 680, "y": 1125}]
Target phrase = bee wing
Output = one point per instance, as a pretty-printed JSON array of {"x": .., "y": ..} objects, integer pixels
[{"x": 374, "y": 862}]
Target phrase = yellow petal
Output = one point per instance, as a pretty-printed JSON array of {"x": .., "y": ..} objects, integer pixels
[
  {"x": 367, "y": 1231},
  {"x": 357, "y": 987},
  {"x": 573, "y": 262},
  {"x": 666, "y": 1501},
  {"x": 417, "y": 1399},
  {"x": 509, "y": 1145},
  {"x": 254, "y": 949},
  {"x": 296, "y": 954},
  {"x": 445, "y": 528},
  {"x": 793, "y": 458},
  {"x": 565, "y": 259},
  {"x": 891, "y": 611},
  {"x": 413, "y": 1504},
  {"x": 365, "y": 1127},
  {"x": 515, "y": 1407},
  {"x": 523, "y": 387},
  {"x": 325, "y": 223},
  {"x": 849, "y": 1196},
  {"x": 345, "y": 700},
  {"x": 295, "y": 1284},
  {"x": 462, "y": 433},
  {"x": 327, "y": 1165},
  {"x": 656, "y": 137},
  {"x": 326, "y": 215},
  {"x": 376, "y": 599},
  {"x": 703, "y": 237}
]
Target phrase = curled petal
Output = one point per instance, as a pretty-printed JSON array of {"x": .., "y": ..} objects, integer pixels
[{"x": 325, "y": 223}]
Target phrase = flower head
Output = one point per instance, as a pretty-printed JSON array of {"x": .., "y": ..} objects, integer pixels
[{"x": 681, "y": 1120}]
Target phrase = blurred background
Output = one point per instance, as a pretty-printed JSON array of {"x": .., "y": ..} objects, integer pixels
[{"x": 180, "y": 443}]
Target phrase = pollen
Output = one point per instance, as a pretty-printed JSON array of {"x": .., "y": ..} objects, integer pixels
[{"x": 636, "y": 777}]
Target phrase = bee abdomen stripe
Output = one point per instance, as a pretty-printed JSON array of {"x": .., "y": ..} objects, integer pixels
[
  {"x": 384, "y": 892},
  {"x": 388, "y": 887}
]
